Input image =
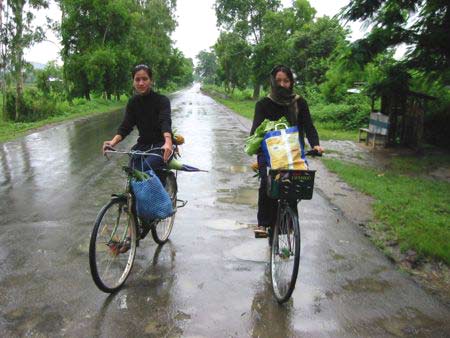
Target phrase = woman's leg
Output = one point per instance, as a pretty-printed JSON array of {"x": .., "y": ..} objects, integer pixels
[{"x": 267, "y": 207}]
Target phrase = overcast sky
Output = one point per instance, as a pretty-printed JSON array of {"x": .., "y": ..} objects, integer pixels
[{"x": 196, "y": 27}]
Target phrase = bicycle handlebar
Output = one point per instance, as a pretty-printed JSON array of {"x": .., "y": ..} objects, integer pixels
[{"x": 112, "y": 150}]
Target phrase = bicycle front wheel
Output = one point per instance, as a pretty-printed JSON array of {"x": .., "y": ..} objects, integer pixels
[
  {"x": 113, "y": 246},
  {"x": 161, "y": 230},
  {"x": 285, "y": 254}
]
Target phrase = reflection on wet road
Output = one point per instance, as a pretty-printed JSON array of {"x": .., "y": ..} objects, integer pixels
[{"x": 211, "y": 279}]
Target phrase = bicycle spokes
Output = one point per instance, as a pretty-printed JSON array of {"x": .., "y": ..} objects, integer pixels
[
  {"x": 113, "y": 246},
  {"x": 285, "y": 255}
]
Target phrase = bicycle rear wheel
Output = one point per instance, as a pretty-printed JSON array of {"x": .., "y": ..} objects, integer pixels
[
  {"x": 113, "y": 246},
  {"x": 161, "y": 230},
  {"x": 285, "y": 254}
]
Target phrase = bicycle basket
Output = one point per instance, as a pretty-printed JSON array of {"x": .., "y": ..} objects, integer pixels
[
  {"x": 152, "y": 200},
  {"x": 291, "y": 184}
]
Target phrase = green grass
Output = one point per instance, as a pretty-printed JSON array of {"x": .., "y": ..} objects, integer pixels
[
  {"x": 412, "y": 210},
  {"x": 329, "y": 132},
  {"x": 412, "y": 164},
  {"x": 246, "y": 108},
  {"x": 10, "y": 130}
]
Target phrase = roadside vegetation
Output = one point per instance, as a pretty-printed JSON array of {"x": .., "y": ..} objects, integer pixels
[
  {"x": 101, "y": 43},
  {"x": 79, "y": 108},
  {"x": 411, "y": 210}
]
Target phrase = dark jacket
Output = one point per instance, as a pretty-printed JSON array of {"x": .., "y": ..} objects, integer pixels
[
  {"x": 267, "y": 109},
  {"x": 151, "y": 115}
]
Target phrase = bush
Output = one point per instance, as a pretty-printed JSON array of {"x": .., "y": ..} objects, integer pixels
[
  {"x": 312, "y": 94},
  {"x": 34, "y": 106},
  {"x": 351, "y": 114},
  {"x": 241, "y": 95}
]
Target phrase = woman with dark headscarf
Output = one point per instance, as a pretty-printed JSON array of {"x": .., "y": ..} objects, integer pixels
[{"x": 282, "y": 101}]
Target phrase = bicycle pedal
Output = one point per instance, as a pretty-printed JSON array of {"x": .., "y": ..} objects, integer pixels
[{"x": 261, "y": 234}]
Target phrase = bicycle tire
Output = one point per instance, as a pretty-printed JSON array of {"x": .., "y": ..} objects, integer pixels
[
  {"x": 161, "y": 230},
  {"x": 285, "y": 252},
  {"x": 109, "y": 265}
]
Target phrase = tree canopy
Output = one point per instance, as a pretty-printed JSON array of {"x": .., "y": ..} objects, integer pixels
[{"x": 423, "y": 25}]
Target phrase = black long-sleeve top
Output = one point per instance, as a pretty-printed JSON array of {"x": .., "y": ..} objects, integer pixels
[
  {"x": 267, "y": 109},
  {"x": 151, "y": 115}
]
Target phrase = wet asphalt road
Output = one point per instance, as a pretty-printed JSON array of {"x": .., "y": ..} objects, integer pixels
[{"x": 211, "y": 279}]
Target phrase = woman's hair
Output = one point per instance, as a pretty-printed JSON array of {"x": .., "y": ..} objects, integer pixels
[
  {"x": 284, "y": 69},
  {"x": 144, "y": 68}
]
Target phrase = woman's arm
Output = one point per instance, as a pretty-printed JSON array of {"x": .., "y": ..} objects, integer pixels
[
  {"x": 165, "y": 115},
  {"x": 310, "y": 130},
  {"x": 129, "y": 120},
  {"x": 258, "y": 117},
  {"x": 165, "y": 121},
  {"x": 167, "y": 147},
  {"x": 124, "y": 129}
]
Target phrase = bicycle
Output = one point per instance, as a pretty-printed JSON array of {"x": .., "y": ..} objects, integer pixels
[
  {"x": 118, "y": 230},
  {"x": 288, "y": 187}
]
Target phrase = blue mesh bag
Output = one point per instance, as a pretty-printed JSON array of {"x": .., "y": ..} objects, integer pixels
[{"x": 152, "y": 200}]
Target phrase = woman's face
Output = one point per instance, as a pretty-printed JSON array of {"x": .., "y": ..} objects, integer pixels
[
  {"x": 142, "y": 82},
  {"x": 282, "y": 80}
]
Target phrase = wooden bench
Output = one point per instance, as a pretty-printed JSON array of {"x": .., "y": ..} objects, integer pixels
[
  {"x": 370, "y": 136},
  {"x": 378, "y": 129}
]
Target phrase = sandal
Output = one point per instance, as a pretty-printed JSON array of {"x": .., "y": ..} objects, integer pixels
[{"x": 260, "y": 232}]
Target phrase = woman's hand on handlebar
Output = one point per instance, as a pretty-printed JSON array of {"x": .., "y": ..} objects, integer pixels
[
  {"x": 167, "y": 150},
  {"x": 107, "y": 145}
]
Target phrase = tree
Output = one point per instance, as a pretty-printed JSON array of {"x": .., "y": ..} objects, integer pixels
[
  {"x": 233, "y": 58},
  {"x": 181, "y": 69},
  {"x": 150, "y": 40},
  {"x": 420, "y": 24},
  {"x": 94, "y": 38},
  {"x": 279, "y": 32},
  {"x": 312, "y": 46},
  {"x": 207, "y": 66},
  {"x": 18, "y": 34},
  {"x": 245, "y": 17},
  {"x": 103, "y": 39},
  {"x": 49, "y": 80}
]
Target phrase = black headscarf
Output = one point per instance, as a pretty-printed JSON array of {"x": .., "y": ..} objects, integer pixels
[{"x": 284, "y": 96}]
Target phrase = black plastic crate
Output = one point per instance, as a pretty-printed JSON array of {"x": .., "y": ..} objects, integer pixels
[{"x": 291, "y": 184}]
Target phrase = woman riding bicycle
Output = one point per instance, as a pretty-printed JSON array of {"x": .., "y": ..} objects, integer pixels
[
  {"x": 282, "y": 101},
  {"x": 150, "y": 113}
]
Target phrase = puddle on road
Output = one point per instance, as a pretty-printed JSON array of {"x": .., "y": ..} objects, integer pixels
[
  {"x": 35, "y": 321},
  {"x": 244, "y": 196},
  {"x": 366, "y": 285},
  {"x": 84, "y": 247},
  {"x": 335, "y": 255},
  {"x": 256, "y": 250},
  {"x": 239, "y": 169},
  {"x": 227, "y": 224}
]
